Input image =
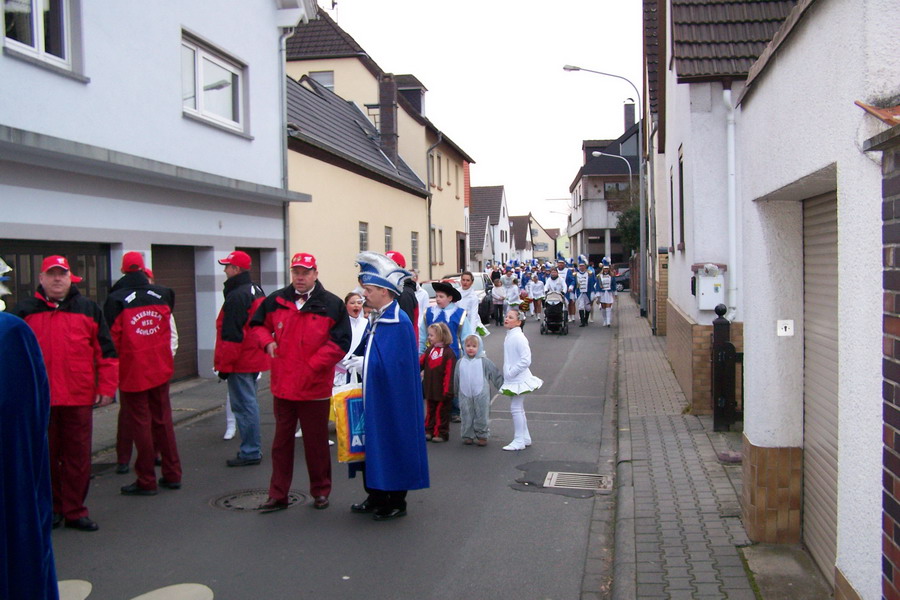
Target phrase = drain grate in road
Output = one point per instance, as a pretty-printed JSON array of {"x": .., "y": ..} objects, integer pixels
[
  {"x": 249, "y": 500},
  {"x": 577, "y": 481}
]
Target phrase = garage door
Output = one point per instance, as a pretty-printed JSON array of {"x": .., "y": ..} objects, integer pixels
[
  {"x": 820, "y": 380},
  {"x": 173, "y": 266}
]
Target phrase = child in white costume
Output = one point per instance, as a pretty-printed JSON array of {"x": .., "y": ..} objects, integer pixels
[
  {"x": 472, "y": 381},
  {"x": 517, "y": 377},
  {"x": 606, "y": 291}
]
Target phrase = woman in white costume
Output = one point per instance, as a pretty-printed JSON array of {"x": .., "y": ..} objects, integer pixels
[
  {"x": 517, "y": 377},
  {"x": 606, "y": 291}
]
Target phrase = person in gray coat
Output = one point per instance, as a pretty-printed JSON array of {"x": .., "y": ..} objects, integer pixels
[{"x": 472, "y": 381}]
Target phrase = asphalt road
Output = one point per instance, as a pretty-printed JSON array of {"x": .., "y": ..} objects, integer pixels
[{"x": 476, "y": 533}]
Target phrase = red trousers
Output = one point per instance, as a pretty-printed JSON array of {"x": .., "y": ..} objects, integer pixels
[
  {"x": 313, "y": 417},
  {"x": 70, "y": 458},
  {"x": 437, "y": 417},
  {"x": 149, "y": 418}
]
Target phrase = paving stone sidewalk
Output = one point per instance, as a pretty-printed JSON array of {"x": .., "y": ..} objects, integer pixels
[{"x": 678, "y": 518}]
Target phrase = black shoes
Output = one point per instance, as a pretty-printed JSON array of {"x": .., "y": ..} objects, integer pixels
[
  {"x": 135, "y": 490},
  {"x": 321, "y": 502},
  {"x": 122, "y": 468},
  {"x": 82, "y": 524},
  {"x": 388, "y": 514},
  {"x": 172, "y": 485},
  {"x": 272, "y": 505},
  {"x": 242, "y": 462},
  {"x": 363, "y": 508}
]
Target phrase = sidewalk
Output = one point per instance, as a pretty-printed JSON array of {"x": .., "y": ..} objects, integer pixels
[{"x": 678, "y": 524}]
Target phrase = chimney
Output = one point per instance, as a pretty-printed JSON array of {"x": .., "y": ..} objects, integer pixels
[
  {"x": 629, "y": 115},
  {"x": 387, "y": 101}
]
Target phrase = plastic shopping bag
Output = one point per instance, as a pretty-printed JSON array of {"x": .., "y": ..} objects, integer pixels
[{"x": 349, "y": 421}]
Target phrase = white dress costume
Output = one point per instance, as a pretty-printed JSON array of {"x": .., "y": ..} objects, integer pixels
[
  {"x": 517, "y": 381},
  {"x": 605, "y": 295}
]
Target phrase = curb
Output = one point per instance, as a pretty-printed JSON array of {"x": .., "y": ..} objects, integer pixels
[{"x": 624, "y": 585}]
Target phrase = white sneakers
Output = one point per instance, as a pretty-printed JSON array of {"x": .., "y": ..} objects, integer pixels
[
  {"x": 514, "y": 445},
  {"x": 229, "y": 433}
]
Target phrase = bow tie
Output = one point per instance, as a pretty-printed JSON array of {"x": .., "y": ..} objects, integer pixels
[{"x": 303, "y": 296}]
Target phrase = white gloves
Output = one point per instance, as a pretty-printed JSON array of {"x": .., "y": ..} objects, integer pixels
[{"x": 354, "y": 362}]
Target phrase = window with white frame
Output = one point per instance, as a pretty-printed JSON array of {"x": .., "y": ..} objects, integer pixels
[
  {"x": 41, "y": 29},
  {"x": 325, "y": 78},
  {"x": 212, "y": 85},
  {"x": 414, "y": 249},
  {"x": 363, "y": 236},
  {"x": 388, "y": 239}
]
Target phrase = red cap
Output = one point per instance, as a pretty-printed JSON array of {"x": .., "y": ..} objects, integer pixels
[
  {"x": 57, "y": 261},
  {"x": 149, "y": 273},
  {"x": 397, "y": 258},
  {"x": 238, "y": 259},
  {"x": 132, "y": 262},
  {"x": 302, "y": 259}
]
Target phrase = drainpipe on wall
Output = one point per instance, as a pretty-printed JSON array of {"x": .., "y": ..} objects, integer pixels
[
  {"x": 733, "y": 271},
  {"x": 430, "y": 177},
  {"x": 286, "y": 32}
]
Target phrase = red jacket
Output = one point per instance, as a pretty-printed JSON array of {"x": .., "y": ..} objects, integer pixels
[
  {"x": 79, "y": 354},
  {"x": 310, "y": 340},
  {"x": 237, "y": 350},
  {"x": 437, "y": 366},
  {"x": 139, "y": 314}
]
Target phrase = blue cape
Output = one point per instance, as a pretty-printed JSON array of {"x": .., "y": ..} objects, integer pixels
[
  {"x": 26, "y": 505},
  {"x": 396, "y": 458}
]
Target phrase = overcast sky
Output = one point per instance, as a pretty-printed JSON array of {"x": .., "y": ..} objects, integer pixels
[{"x": 493, "y": 69}]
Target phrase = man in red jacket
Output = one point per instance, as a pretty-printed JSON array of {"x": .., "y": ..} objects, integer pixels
[
  {"x": 238, "y": 358},
  {"x": 82, "y": 369},
  {"x": 139, "y": 316},
  {"x": 306, "y": 331}
]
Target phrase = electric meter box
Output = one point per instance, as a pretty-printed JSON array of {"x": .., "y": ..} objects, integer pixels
[{"x": 710, "y": 282}]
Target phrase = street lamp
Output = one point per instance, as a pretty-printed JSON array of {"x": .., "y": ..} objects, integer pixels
[{"x": 643, "y": 242}]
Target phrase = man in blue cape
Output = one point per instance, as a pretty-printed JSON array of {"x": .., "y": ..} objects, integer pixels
[
  {"x": 396, "y": 459},
  {"x": 26, "y": 506}
]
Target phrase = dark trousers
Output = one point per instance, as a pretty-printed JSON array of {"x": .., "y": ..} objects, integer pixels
[
  {"x": 498, "y": 314},
  {"x": 384, "y": 499},
  {"x": 69, "y": 436},
  {"x": 313, "y": 417},
  {"x": 437, "y": 418},
  {"x": 150, "y": 424}
]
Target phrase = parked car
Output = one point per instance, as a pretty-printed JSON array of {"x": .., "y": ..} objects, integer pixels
[{"x": 623, "y": 280}]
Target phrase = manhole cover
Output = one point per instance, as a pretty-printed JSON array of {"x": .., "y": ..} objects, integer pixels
[
  {"x": 249, "y": 500},
  {"x": 577, "y": 481}
]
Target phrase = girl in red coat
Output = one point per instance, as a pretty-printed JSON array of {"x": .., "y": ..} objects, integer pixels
[{"x": 437, "y": 364}]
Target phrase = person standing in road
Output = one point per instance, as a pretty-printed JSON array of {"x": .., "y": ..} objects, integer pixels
[
  {"x": 139, "y": 317},
  {"x": 82, "y": 368},
  {"x": 536, "y": 293},
  {"x": 606, "y": 290},
  {"x": 437, "y": 365},
  {"x": 469, "y": 302},
  {"x": 396, "y": 459},
  {"x": 238, "y": 359},
  {"x": 306, "y": 331},
  {"x": 472, "y": 380},
  {"x": 584, "y": 291},
  {"x": 409, "y": 303},
  {"x": 517, "y": 377},
  {"x": 446, "y": 311}
]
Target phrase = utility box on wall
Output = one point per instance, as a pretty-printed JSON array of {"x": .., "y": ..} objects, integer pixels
[{"x": 709, "y": 285}]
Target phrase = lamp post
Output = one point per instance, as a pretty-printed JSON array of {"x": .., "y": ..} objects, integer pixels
[
  {"x": 643, "y": 238},
  {"x": 597, "y": 154}
]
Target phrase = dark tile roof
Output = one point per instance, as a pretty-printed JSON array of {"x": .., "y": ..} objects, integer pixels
[
  {"x": 324, "y": 38},
  {"x": 409, "y": 81},
  {"x": 714, "y": 39},
  {"x": 652, "y": 41},
  {"x": 606, "y": 165},
  {"x": 553, "y": 232},
  {"x": 484, "y": 206},
  {"x": 326, "y": 122},
  {"x": 519, "y": 226}
]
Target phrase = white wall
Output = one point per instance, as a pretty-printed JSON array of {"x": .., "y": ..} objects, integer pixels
[
  {"x": 132, "y": 104},
  {"x": 799, "y": 120}
]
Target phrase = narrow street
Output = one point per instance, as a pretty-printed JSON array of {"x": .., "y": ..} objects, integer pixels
[{"x": 476, "y": 533}]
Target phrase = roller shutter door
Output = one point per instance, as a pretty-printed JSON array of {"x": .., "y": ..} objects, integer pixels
[
  {"x": 173, "y": 267},
  {"x": 820, "y": 380}
]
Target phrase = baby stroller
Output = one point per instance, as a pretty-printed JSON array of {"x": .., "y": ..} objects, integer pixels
[{"x": 554, "y": 320}]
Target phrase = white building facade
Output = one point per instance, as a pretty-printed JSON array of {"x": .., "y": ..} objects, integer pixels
[{"x": 150, "y": 129}]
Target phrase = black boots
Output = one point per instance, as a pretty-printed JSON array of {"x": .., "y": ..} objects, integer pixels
[{"x": 584, "y": 318}]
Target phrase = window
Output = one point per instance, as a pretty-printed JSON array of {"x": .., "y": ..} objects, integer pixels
[
  {"x": 363, "y": 236},
  {"x": 438, "y": 178},
  {"x": 441, "y": 246},
  {"x": 414, "y": 249},
  {"x": 671, "y": 211},
  {"x": 388, "y": 239},
  {"x": 681, "y": 201},
  {"x": 432, "y": 244},
  {"x": 456, "y": 181},
  {"x": 325, "y": 78},
  {"x": 211, "y": 86},
  {"x": 40, "y": 29},
  {"x": 433, "y": 170}
]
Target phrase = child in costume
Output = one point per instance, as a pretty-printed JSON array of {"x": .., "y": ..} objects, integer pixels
[
  {"x": 517, "y": 377},
  {"x": 437, "y": 384},
  {"x": 474, "y": 375}
]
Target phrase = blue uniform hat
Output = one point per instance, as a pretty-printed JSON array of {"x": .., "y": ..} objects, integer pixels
[{"x": 379, "y": 270}]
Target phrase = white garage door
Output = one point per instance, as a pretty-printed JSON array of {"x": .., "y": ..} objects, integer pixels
[{"x": 820, "y": 380}]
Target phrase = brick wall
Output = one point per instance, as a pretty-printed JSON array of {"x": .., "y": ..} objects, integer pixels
[
  {"x": 890, "y": 559},
  {"x": 771, "y": 496},
  {"x": 662, "y": 294},
  {"x": 688, "y": 347}
]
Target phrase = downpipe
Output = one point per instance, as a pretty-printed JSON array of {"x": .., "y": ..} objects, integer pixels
[{"x": 733, "y": 270}]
